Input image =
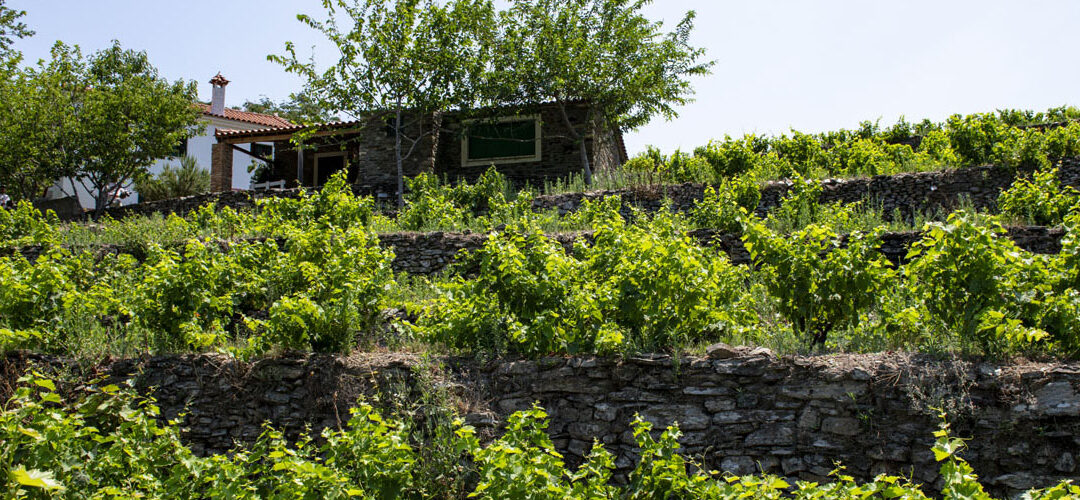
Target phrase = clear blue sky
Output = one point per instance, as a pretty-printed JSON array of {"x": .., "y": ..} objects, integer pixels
[{"x": 810, "y": 65}]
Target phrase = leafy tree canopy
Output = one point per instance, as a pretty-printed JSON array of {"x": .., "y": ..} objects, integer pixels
[
  {"x": 11, "y": 28},
  {"x": 102, "y": 120},
  {"x": 401, "y": 58},
  {"x": 604, "y": 52},
  {"x": 298, "y": 108}
]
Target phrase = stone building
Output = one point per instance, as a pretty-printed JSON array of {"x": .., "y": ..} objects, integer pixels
[{"x": 525, "y": 145}]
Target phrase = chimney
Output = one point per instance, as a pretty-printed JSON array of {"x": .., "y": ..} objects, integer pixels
[{"x": 217, "y": 105}]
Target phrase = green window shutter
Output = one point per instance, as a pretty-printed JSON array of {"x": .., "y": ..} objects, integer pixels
[{"x": 490, "y": 141}]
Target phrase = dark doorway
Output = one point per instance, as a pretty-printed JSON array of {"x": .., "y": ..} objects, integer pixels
[{"x": 325, "y": 166}]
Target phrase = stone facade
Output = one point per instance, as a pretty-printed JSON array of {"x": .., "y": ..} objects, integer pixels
[
  {"x": 221, "y": 166},
  {"x": 741, "y": 410},
  {"x": 560, "y": 156},
  {"x": 369, "y": 148}
]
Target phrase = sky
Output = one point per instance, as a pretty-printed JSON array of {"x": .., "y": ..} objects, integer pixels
[{"x": 811, "y": 65}]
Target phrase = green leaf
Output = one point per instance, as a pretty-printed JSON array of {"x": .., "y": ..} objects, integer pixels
[{"x": 36, "y": 479}]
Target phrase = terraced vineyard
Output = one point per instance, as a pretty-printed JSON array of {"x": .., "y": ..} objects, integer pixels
[{"x": 528, "y": 276}]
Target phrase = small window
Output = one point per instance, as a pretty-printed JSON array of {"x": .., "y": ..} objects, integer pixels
[
  {"x": 263, "y": 150},
  {"x": 505, "y": 141},
  {"x": 181, "y": 149}
]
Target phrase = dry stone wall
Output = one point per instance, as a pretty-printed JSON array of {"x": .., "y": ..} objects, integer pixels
[
  {"x": 907, "y": 193},
  {"x": 741, "y": 410},
  {"x": 437, "y": 252},
  {"x": 433, "y": 253}
]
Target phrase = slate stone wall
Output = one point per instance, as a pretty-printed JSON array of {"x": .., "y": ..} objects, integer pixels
[
  {"x": 741, "y": 410},
  {"x": 432, "y": 253},
  {"x": 907, "y": 193}
]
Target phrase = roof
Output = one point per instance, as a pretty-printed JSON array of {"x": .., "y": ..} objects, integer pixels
[
  {"x": 270, "y": 121},
  {"x": 223, "y": 133}
]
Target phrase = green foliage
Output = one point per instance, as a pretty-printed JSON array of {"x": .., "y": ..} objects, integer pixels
[
  {"x": 332, "y": 207},
  {"x": 973, "y": 282},
  {"x": 602, "y": 52},
  {"x": 26, "y": 225},
  {"x": 117, "y": 116},
  {"x": 186, "y": 180},
  {"x": 732, "y": 157},
  {"x": 399, "y": 62},
  {"x": 481, "y": 205},
  {"x": 1041, "y": 199},
  {"x": 678, "y": 167},
  {"x": 633, "y": 288},
  {"x": 819, "y": 283},
  {"x": 298, "y": 108}
]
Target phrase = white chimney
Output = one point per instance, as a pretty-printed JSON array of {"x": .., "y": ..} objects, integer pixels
[{"x": 217, "y": 104}]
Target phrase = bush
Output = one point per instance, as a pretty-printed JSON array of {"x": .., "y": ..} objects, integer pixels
[
  {"x": 634, "y": 288},
  {"x": 175, "y": 182},
  {"x": 721, "y": 207},
  {"x": 818, "y": 283},
  {"x": 26, "y": 225},
  {"x": 975, "y": 284},
  {"x": 1041, "y": 199},
  {"x": 732, "y": 157}
]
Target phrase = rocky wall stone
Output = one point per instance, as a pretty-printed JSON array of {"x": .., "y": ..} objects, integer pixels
[
  {"x": 904, "y": 193},
  {"x": 741, "y": 410}
]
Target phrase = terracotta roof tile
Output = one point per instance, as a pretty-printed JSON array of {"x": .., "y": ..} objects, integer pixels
[
  {"x": 271, "y": 121},
  {"x": 222, "y": 133}
]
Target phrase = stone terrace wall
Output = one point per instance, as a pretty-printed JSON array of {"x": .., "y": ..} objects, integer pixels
[
  {"x": 432, "y": 253},
  {"x": 741, "y": 409},
  {"x": 904, "y": 192},
  {"x": 908, "y": 193}
]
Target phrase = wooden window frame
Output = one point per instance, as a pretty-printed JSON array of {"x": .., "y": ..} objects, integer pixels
[{"x": 502, "y": 160}]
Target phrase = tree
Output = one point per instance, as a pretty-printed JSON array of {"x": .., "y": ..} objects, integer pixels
[
  {"x": 35, "y": 115},
  {"x": 11, "y": 29},
  {"x": 601, "y": 52},
  {"x": 122, "y": 117},
  {"x": 186, "y": 180},
  {"x": 298, "y": 108},
  {"x": 400, "y": 62}
]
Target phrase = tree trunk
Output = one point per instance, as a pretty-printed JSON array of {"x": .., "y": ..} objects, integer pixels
[
  {"x": 397, "y": 157},
  {"x": 580, "y": 139},
  {"x": 585, "y": 162}
]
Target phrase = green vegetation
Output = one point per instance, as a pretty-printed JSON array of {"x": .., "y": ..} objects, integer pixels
[
  {"x": 175, "y": 182},
  {"x": 110, "y": 443},
  {"x": 308, "y": 273},
  {"x": 1001, "y": 138}
]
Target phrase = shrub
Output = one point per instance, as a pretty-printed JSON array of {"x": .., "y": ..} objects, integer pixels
[
  {"x": 333, "y": 206},
  {"x": 1041, "y": 199},
  {"x": 26, "y": 225},
  {"x": 634, "y": 288},
  {"x": 971, "y": 281},
  {"x": 175, "y": 182},
  {"x": 819, "y": 283},
  {"x": 721, "y": 207},
  {"x": 732, "y": 157}
]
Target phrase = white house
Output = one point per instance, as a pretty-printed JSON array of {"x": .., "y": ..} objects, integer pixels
[{"x": 215, "y": 116}]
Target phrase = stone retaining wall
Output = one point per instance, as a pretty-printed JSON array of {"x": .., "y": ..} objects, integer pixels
[
  {"x": 907, "y": 193},
  {"x": 433, "y": 253},
  {"x": 742, "y": 410}
]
